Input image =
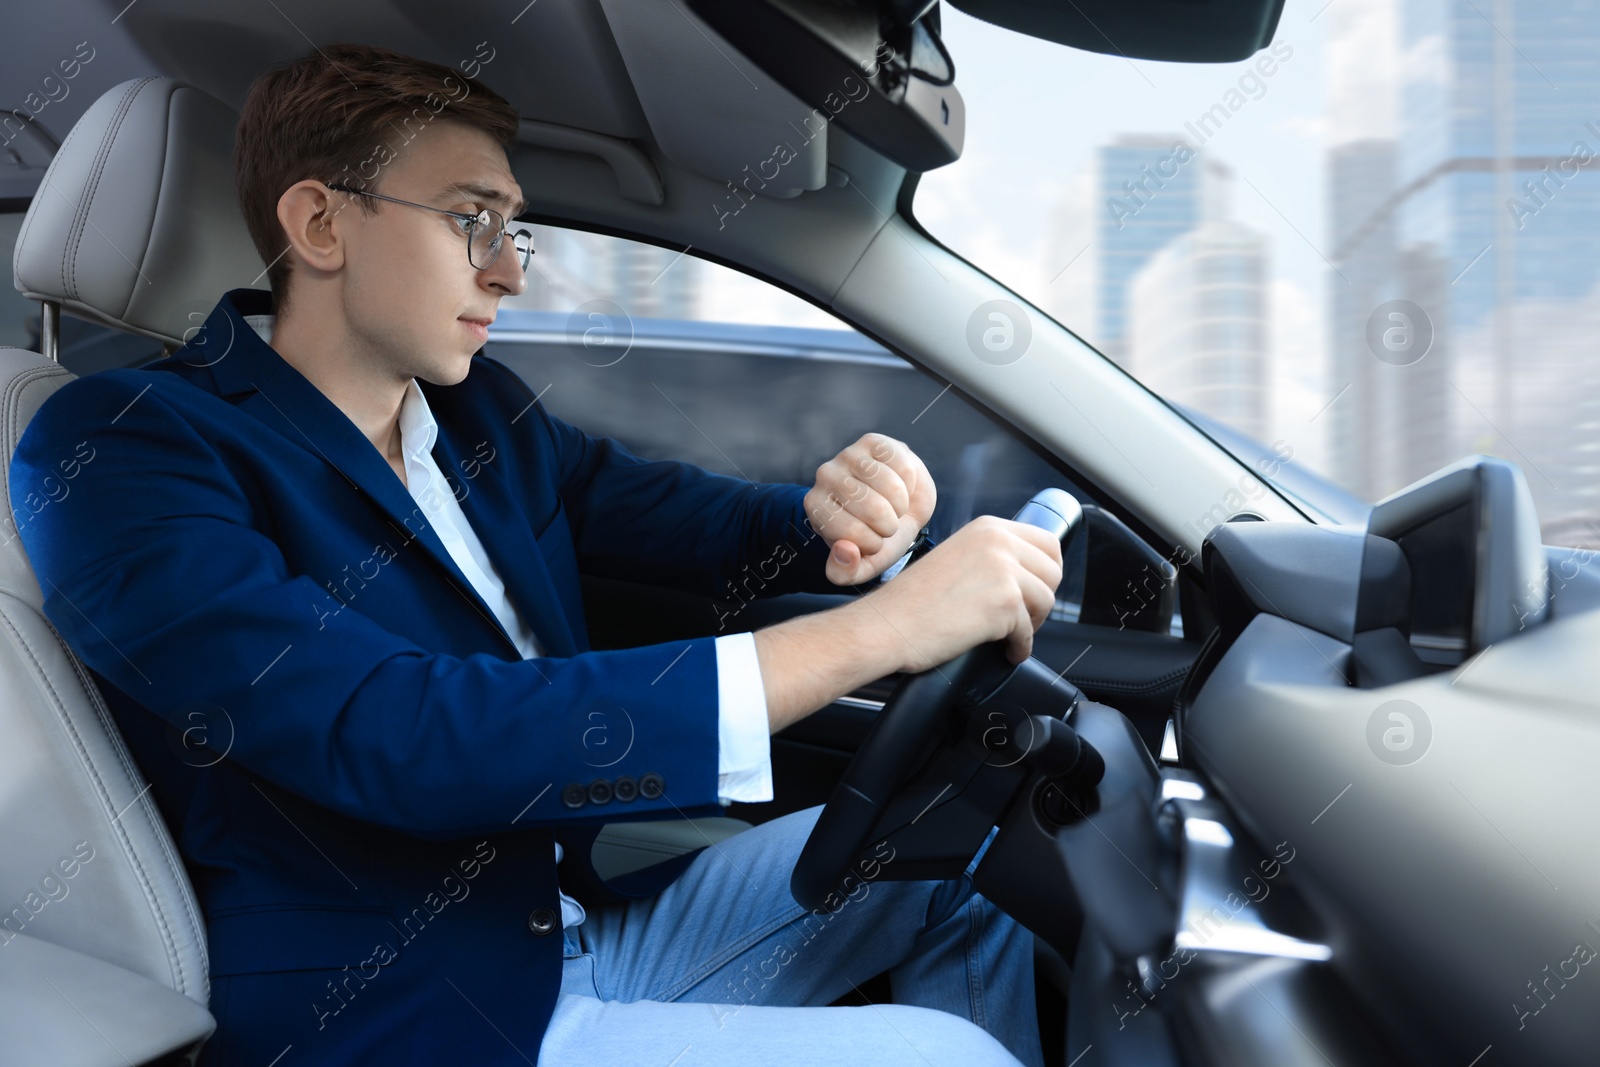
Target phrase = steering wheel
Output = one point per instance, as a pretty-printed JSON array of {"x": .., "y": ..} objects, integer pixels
[{"x": 916, "y": 710}]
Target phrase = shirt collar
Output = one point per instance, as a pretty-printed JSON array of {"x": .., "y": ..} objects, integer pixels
[
  {"x": 262, "y": 325},
  {"x": 418, "y": 430}
]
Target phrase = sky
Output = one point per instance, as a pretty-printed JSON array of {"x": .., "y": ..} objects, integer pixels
[{"x": 1037, "y": 111}]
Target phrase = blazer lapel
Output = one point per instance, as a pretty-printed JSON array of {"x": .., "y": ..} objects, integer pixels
[
  {"x": 282, "y": 398},
  {"x": 490, "y": 506}
]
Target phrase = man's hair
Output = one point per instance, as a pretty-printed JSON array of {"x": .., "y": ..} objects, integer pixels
[{"x": 340, "y": 115}]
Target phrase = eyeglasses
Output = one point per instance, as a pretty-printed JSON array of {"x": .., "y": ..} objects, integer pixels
[{"x": 485, "y": 231}]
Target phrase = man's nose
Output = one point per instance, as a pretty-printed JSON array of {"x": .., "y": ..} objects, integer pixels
[{"x": 505, "y": 273}]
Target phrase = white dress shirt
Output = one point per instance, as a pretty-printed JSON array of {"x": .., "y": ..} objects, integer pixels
[{"x": 744, "y": 754}]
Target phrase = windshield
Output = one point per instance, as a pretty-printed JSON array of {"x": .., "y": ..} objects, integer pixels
[{"x": 1370, "y": 249}]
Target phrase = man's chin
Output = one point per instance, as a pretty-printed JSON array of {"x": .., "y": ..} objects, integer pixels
[{"x": 453, "y": 373}]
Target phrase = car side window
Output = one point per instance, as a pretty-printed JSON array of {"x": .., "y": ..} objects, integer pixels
[{"x": 679, "y": 358}]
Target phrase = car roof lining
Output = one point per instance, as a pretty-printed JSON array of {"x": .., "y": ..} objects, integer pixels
[{"x": 574, "y": 64}]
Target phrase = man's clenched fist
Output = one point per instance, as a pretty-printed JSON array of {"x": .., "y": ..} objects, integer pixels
[{"x": 868, "y": 503}]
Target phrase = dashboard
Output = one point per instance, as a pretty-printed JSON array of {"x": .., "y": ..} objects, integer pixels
[{"x": 1407, "y": 709}]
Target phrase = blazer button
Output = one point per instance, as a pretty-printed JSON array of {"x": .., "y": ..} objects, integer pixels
[
  {"x": 625, "y": 789},
  {"x": 542, "y": 921},
  {"x": 574, "y": 796},
  {"x": 599, "y": 791},
  {"x": 651, "y": 786}
]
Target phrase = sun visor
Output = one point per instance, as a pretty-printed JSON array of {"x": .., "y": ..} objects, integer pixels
[
  {"x": 876, "y": 68},
  {"x": 712, "y": 110}
]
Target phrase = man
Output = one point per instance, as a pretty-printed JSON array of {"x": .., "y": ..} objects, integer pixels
[{"x": 323, "y": 564}]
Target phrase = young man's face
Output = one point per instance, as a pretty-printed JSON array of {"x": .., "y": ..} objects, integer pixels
[{"x": 410, "y": 289}]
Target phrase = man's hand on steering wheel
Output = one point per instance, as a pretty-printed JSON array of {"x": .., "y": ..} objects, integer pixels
[
  {"x": 946, "y": 620},
  {"x": 992, "y": 580}
]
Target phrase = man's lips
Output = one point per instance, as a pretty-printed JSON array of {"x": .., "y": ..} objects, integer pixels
[{"x": 479, "y": 328}]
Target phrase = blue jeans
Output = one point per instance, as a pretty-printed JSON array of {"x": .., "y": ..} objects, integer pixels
[{"x": 723, "y": 967}]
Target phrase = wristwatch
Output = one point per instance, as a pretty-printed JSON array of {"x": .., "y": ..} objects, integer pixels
[{"x": 919, "y": 548}]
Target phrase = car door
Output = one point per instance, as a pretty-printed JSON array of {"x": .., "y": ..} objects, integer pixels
[{"x": 684, "y": 359}]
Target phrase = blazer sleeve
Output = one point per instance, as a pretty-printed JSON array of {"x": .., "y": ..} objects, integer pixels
[
  {"x": 670, "y": 523},
  {"x": 154, "y": 572}
]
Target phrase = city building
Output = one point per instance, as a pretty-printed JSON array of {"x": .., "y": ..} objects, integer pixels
[
  {"x": 1482, "y": 211},
  {"x": 1139, "y": 193},
  {"x": 1198, "y": 324},
  {"x": 571, "y": 267}
]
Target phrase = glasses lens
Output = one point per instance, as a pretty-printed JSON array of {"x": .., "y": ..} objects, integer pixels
[{"x": 487, "y": 235}]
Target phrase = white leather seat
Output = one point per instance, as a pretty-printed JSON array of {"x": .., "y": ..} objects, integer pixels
[
  {"x": 136, "y": 224},
  {"x": 88, "y": 872},
  {"x": 102, "y": 945}
]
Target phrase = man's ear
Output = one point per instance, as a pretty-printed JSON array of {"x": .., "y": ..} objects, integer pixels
[{"x": 315, "y": 222}]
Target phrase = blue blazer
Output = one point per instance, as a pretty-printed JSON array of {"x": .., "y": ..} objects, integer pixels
[{"x": 365, "y": 779}]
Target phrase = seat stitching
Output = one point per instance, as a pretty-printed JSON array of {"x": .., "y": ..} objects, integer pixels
[
  {"x": 93, "y": 772},
  {"x": 75, "y": 227},
  {"x": 16, "y": 386},
  {"x": 80, "y": 218},
  {"x": 169, "y": 942},
  {"x": 81, "y": 215},
  {"x": 120, "y": 750},
  {"x": 27, "y": 222}
]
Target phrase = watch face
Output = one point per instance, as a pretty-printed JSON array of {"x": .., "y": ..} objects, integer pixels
[
  {"x": 894, "y": 568},
  {"x": 918, "y": 547}
]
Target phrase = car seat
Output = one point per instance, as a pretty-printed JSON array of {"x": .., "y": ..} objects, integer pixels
[
  {"x": 102, "y": 945},
  {"x": 136, "y": 226}
]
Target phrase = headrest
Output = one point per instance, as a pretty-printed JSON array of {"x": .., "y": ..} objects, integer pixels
[
  {"x": 27, "y": 380},
  {"x": 136, "y": 224}
]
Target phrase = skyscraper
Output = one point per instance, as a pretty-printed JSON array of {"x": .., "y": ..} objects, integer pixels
[
  {"x": 1198, "y": 324},
  {"x": 1140, "y": 193},
  {"x": 1487, "y": 226},
  {"x": 1360, "y": 182}
]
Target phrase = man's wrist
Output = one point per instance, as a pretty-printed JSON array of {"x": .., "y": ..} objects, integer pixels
[
  {"x": 919, "y": 547},
  {"x": 809, "y": 661},
  {"x": 872, "y": 635}
]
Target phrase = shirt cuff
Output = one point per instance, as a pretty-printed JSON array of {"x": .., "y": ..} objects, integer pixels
[{"x": 744, "y": 748}]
